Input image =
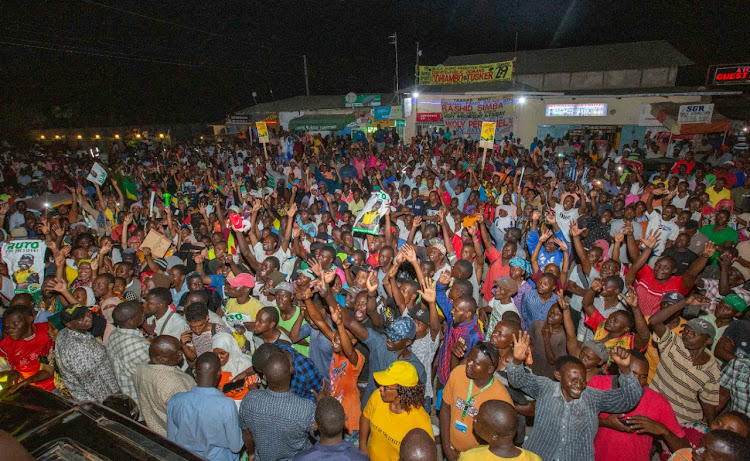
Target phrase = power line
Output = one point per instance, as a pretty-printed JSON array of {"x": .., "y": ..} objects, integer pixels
[
  {"x": 183, "y": 26},
  {"x": 36, "y": 44}
]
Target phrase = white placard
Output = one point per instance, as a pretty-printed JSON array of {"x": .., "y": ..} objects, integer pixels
[{"x": 98, "y": 174}]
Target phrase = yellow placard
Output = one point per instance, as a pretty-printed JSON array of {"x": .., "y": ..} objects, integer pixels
[
  {"x": 450, "y": 75},
  {"x": 488, "y": 132},
  {"x": 262, "y": 131}
]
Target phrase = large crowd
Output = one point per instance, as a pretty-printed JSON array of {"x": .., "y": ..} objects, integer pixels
[{"x": 561, "y": 300}]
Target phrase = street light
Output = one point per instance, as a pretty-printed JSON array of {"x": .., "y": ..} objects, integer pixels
[
  {"x": 41, "y": 137},
  {"x": 117, "y": 136},
  {"x": 57, "y": 136},
  {"x": 161, "y": 135},
  {"x": 79, "y": 137},
  {"x": 415, "y": 94},
  {"x": 97, "y": 136},
  {"x": 138, "y": 136},
  {"x": 522, "y": 100}
]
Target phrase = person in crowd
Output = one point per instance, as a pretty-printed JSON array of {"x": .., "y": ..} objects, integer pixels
[
  {"x": 468, "y": 387},
  {"x": 237, "y": 374},
  {"x": 127, "y": 348},
  {"x": 392, "y": 412},
  {"x": 24, "y": 347},
  {"x": 216, "y": 433},
  {"x": 417, "y": 445},
  {"x": 162, "y": 319},
  {"x": 83, "y": 362},
  {"x": 276, "y": 423},
  {"x": 567, "y": 410},
  {"x": 329, "y": 424},
  {"x": 157, "y": 380},
  {"x": 495, "y": 423}
]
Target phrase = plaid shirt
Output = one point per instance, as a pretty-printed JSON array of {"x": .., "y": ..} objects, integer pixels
[
  {"x": 712, "y": 293},
  {"x": 735, "y": 376},
  {"x": 305, "y": 376},
  {"x": 126, "y": 349}
]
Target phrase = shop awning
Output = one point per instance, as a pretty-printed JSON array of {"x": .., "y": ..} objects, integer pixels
[
  {"x": 321, "y": 122},
  {"x": 667, "y": 112}
]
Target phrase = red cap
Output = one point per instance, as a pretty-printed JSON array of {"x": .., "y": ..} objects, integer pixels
[{"x": 243, "y": 280}]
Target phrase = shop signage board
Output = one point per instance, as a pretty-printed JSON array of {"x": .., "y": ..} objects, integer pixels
[
  {"x": 478, "y": 73},
  {"x": 361, "y": 100},
  {"x": 464, "y": 116},
  {"x": 429, "y": 117},
  {"x": 732, "y": 75},
  {"x": 695, "y": 113},
  {"x": 388, "y": 113},
  {"x": 238, "y": 120},
  {"x": 576, "y": 110}
]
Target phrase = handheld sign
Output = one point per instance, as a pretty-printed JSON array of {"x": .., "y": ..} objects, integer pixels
[
  {"x": 262, "y": 131},
  {"x": 487, "y": 139},
  {"x": 98, "y": 174}
]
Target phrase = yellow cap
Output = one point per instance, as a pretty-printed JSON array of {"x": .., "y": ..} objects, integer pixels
[{"x": 399, "y": 372}]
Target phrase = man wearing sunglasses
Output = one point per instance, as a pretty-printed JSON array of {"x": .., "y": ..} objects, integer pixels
[{"x": 467, "y": 388}]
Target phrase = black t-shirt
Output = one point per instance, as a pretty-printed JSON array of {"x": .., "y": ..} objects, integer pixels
[{"x": 683, "y": 259}]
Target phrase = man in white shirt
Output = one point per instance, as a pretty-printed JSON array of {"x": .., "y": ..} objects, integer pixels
[{"x": 163, "y": 320}]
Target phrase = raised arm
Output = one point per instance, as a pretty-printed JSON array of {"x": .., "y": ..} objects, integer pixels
[
  {"x": 650, "y": 243},
  {"x": 289, "y": 226},
  {"x": 346, "y": 342},
  {"x": 576, "y": 232},
  {"x": 572, "y": 344},
  {"x": 692, "y": 273},
  {"x": 642, "y": 332}
]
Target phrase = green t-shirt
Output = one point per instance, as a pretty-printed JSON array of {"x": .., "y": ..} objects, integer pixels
[
  {"x": 288, "y": 324},
  {"x": 726, "y": 235}
]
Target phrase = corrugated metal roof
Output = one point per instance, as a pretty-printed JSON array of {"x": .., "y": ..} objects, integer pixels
[
  {"x": 315, "y": 102},
  {"x": 616, "y": 56}
]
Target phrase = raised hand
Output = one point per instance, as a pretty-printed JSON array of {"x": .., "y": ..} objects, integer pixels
[
  {"x": 372, "y": 282},
  {"x": 631, "y": 299},
  {"x": 619, "y": 237},
  {"x": 61, "y": 286},
  {"x": 428, "y": 293},
  {"x": 336, "y": 314},
  {"x": 561, "y": 300},
  {"x": 127, "y": 220},
  {"x": 620, "y": 356},
  {"x": 652, "y": 238},
  {"x": 551, "y": 219},
  {"x": 698, "y": 300},
  {"x": 545, "y": 235},
  {"x": 323, "y": 392},
  {"x": 561, "y": 243},
  {"x": 445, "y": 278},
  {"x": 459, "y": 349},
  {"x": 521, "y": 346},
  {"x": 536, "y": 215},
  {"x": 417, "y": 222},
  {"x": 627, "y": 228},
  {"x": 410, "y": 254},
  {"x": 575, "y": 231},
  {"x": 708, "y": 249},
  {"x": 596, "y": 285}
]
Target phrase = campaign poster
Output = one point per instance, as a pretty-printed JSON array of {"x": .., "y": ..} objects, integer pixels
[
  {"x": 368, "y": 220},
  {"x": 98, "y": 174},
  {"x": 25, "y": 260},
  {"x": 487, "y": 138},
  {"x": 262, "y": 131}
]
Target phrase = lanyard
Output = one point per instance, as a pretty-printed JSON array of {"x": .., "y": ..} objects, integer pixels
[{"x": 470, "y": 398}]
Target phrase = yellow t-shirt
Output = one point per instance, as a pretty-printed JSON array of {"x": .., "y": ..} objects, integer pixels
[
  {"x": 251, "y": 308},
  {"x": 388, "y": 429},
  {"x": 716, "y": 196},
  {"x": 483, "y": 453},
  {"x": 455, "y": 395}
]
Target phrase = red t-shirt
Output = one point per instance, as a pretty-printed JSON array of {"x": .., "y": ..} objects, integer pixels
[
  {"x": 650, "y": 291},
  {"x": 24, "y": 354},
  {"x": 495, "y": 271},
  {"x": 612, "y": 445}
]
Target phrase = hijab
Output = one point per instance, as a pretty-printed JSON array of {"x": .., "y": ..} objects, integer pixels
[{"x": 237, "y": 361}]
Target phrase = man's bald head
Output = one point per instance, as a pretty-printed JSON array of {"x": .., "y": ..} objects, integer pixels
[
  {"x": 495, "y": 421},
  {"x": 278, "y": 371},
  {"x": 417, "y": 445},
  {"x": 165, "y": 350}
]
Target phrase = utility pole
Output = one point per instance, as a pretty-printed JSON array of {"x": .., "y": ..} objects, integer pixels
[
  {"x": 416, "y": 67},
  {"x": 307, "y": 82},
  {"x": 394, "y": 42}
]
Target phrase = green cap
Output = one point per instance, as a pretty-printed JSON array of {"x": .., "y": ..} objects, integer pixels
[{"x": 736, "y": 302}]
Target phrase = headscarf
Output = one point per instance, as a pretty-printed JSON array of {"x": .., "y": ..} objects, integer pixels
[
  {"x": 522, "y": 263},
  {"x": 90, "y": 298},
  {"x": 237, "y": 362}
]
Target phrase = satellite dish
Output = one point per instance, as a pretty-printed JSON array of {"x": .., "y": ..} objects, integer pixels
[{"x": 351, "y": 97}]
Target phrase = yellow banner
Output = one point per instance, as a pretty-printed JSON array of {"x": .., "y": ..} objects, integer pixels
[{"x": 449, "y": 75}]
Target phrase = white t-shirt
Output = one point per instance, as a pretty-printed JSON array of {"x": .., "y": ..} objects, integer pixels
[
  {"x": 171, "y": 323},
  {"x": 564, "y": 218},
  {"x": 669, "y": 231},
  {"x": 284, "y": 257}
]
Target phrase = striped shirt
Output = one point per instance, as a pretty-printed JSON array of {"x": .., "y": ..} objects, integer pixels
[{"x": 683, "y": 383}]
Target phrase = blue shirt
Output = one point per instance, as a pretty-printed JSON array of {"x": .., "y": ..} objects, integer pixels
[
  {"x": 556, "y": 257},
  {"x": 343, "y": 451},
  {"x": 532, "y": 307},
  {"x": 416, "y": 206},
  {"x": 205, "y": 422}
]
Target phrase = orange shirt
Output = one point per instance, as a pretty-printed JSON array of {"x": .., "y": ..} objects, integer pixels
[{"x": 344, "y": 377}]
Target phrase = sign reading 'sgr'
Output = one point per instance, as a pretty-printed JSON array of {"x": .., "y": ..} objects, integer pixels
[{"x": 695, "y": 113}]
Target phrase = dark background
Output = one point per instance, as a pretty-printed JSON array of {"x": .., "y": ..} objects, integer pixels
[{"x": 105, "y": 63}]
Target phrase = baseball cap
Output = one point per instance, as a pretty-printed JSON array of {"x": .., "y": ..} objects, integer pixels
[
  {"x": 277, "y": 277},
  {"x": 399, "y": 372},
  {"x": 317, "y": 246},
  {"x": 74, "y": 312},
  {"x": 598, "y": 347},
  {"x": 402, "y": 328},
  {"x": 242, "y": 280},
  {"x": 357, "y": 269},
  {"x": 417, "y": 313},
  {"x": 672, "y": 297},
  {"x": 508, "y": 284},
  {"x": 701, "y": 326},
  {"x": 734, "y": 300},
  {"x": 437, "y": 243},
  {"x": 307, "y": 273},
  {"x": 283, "y": 286}
]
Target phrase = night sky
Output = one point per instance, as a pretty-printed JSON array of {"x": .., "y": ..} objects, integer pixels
[{"x": 200, "y": 60}]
